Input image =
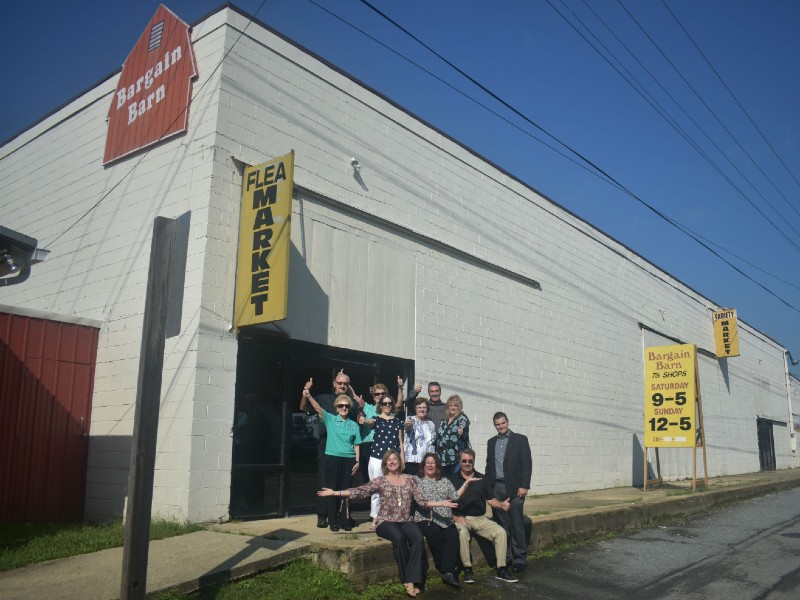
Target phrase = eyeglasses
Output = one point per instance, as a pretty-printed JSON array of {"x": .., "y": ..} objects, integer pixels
[
  {"x": 386, "y": 403},
  {"x": 467, "y": 461},
  {"x": 343, "y": 406}
]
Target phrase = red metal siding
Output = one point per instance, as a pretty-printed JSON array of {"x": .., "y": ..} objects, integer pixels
[{"x": 47, "y": 372}]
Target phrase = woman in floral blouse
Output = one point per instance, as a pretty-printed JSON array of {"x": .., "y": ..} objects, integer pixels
[
  {"x": 394, "y": 521},
  {"x": 437, "y": 524},
  {"x": 420, "y": 436},
  {"x": 452, "y": 436}
]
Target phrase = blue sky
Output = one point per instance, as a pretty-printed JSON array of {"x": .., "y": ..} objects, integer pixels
[{"x": 526, "y": 53}]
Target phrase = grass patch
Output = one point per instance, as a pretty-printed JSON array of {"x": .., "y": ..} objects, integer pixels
[
  {"x": 300, "y": 580},
  {"x": 27, "y": 543}
]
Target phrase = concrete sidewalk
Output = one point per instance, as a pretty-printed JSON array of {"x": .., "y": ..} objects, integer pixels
[{"x": 235, "y": 550}]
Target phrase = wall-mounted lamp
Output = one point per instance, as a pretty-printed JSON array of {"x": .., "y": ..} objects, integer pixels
[{"x": 355, "y": 163}]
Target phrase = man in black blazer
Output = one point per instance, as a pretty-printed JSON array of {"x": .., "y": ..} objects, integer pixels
[{"x": 508, "y": 469}]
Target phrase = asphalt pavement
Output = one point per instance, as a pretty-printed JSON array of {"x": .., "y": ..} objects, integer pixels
[{"x": 238, "y": 549}]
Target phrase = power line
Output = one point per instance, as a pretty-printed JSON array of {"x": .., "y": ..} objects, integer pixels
[
  {"x": 462, "y": 93},
  {"x": 714, "y": 164},
  {"x": 617, "y": 184},
  {"x": 710, "y": 110},
  {"x": 739, "y": 104},
  {"x": 166, "y": 129},
  {"x": 685, "y": 135}
]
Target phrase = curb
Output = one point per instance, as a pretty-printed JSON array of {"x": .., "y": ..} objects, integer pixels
[{"x": 375, "y": 564}]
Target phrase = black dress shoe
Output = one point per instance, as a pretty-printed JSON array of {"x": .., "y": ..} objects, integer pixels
[
  {"x": 451, "y": 580},
  {"x": 519, "y": 568},
  {"x": 322, "y": 522},
  {"x": 334, "y": 528}
]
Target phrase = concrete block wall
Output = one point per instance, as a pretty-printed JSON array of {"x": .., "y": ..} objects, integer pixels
[{"x": 565, "y": 362}]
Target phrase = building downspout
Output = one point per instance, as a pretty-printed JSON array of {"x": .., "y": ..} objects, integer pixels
[{"x": 792, "y": 436}]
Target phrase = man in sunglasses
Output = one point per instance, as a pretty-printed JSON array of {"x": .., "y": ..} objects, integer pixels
[
  {"x": 470, "y": 519},
  {"x": 341, "y": 385}
]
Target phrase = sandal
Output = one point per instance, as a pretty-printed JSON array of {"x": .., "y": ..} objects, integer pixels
[{"x": 411, "y": 590}]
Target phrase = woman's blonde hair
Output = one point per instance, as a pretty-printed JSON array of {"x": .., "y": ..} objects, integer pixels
[
  {"x": 343, "y": 397},
  {"x": 457, "y": 399}
]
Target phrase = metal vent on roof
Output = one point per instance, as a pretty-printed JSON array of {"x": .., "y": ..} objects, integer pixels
[{"x": 156, "y": 33}]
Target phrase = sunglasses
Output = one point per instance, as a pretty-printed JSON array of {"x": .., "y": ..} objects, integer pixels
[
  {"x": 386, "y": 403},
  {"x": 343, "y": 406},
  {"x": 378, "y": 393},
  {"x": 467, "y": 461}
]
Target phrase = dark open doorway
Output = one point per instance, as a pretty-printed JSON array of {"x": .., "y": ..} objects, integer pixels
[
  {"x": 274, "y": 470},
  {"x": 766, "y": 445}
]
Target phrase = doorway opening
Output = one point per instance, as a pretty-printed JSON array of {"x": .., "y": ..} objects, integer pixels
[
  {"x": 275, "y": 463},
  {"x": 766, "y": 445}
]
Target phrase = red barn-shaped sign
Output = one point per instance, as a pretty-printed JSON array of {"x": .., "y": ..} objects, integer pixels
[{"x": 152, "y": 98}]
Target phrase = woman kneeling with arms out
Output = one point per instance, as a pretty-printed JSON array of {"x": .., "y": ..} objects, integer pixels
[{"x": 394, "y": 521}]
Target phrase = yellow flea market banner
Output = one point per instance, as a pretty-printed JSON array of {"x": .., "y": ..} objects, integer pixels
[
  {"x": 726, "y": 333},
  {"x": 262, "y": 273},
  {"x": 669, "y": 396}
]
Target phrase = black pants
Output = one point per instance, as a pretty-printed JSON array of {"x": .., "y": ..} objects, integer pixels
[
  {"x": 443, "y": 542},
  {"x": 513, "y": 523},
  {"x": 407, "y": 542},
  {"x": 322, "y": 503},
  {"x": 338, "y": 476},
  {"x": 366, "y": 448}
]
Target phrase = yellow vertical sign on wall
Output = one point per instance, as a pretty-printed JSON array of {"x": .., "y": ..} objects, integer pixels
[
  {"x": 262, "y": 270},
  {"x": 726, "y": 332},
  {"x": 669, "y": 396}
]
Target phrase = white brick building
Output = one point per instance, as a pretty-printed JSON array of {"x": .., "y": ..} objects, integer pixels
[{"x": 428, "y": 260}]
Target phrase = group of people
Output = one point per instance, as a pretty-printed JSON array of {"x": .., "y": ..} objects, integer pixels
[{"x": 422, "y": 480}]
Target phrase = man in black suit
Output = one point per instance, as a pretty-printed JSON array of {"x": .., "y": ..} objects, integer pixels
[{"x": 508, "y": 469}]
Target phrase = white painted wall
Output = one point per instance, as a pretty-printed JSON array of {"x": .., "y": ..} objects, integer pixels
[
  {"x": 409, "y": 257},
  {"x": 565, "y": 361}
]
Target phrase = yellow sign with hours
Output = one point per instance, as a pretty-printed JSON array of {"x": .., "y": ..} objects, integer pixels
[{"x": 670, "y": 396}]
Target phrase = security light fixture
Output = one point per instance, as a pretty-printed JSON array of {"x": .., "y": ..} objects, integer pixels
[{"x": 11, "y": 264}]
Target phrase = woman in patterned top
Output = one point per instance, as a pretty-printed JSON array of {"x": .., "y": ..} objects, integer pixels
[
  {"x": 420, "y": 436},
  {"x": 453, "y": 435},
  {"x": 437, "y": 524},
  {"x": 388, "y": 435},
  {"x": 394, "y": 522}
]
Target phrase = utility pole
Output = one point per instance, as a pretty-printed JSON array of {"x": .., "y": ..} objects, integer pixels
[{"x": 166, "y": 245}]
